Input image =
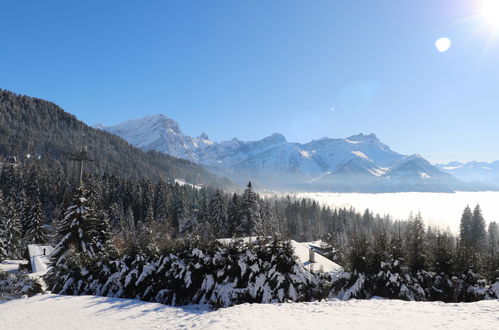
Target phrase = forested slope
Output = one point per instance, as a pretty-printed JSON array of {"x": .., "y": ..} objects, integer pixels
[{"x": 42, "y": 129}]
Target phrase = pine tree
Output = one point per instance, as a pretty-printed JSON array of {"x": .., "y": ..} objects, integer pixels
[
  {"x": 102, "y": 232},
  {"x": 270, "y": 223},
  {"x": 478, "y": 239},
  {"x": 397, "y": 250},
  {"x": 359, "y": 251},
  {"x": 10, "y": 229},
  {"x": 415, "y": 244},
  {"x": 492, "y": 252},
  {"x": 3, "y": 251},
  {"x": 465, "y": 227},
  {"x": 161, "y": 202},
  {"x": 36, "y": 232},
  {"x": 128, "y": 227},
  {"x": 478, "y": 229},
  {"x": 24, "y": 208},
  {"x": 251, "y": 221},
  {"x": 217, "y": 215},
  {"x": 442, "y": 247},
  {"x": 77, "y": 230},
  {"x": 116, "y": 214},
  {"x": 202, "y": 227},
  {"x": 3, "y": 234},
  {"x": 233, "y": 215},
  {"x": 176, "y": 208},
  {"x": 380, "y": 252},
  {"x": 464, "y": 247}
]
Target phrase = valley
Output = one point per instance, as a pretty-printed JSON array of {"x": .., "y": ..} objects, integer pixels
[{"x": 440, "y": 210}]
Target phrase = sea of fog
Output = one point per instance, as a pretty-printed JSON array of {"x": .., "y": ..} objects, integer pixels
[{"x": 439, "y": 209}]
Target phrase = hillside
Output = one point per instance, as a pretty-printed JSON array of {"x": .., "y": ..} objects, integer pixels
[{"x": 41, "y": 129}]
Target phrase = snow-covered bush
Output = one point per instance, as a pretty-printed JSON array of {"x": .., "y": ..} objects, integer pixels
[
  {"x": 193, "y": 272},
  {"x": 398, "y": 283},
  {"x": 14, "y": 286}
]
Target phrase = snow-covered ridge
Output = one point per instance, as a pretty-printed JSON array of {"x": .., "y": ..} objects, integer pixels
[
  {"x": 486, "y": 172},
  {"x": 271, "y": 153}
]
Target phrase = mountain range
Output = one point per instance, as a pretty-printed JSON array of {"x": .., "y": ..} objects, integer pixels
[
  {"x": 485, "y": 172},
  {"x": 359, "y": 163}
]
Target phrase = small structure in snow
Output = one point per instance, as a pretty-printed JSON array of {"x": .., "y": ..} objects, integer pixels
[
  {"x": 39, "y": 257},
  {"x": 309, "y": 254},
  {"x": 312, "y": 260}
]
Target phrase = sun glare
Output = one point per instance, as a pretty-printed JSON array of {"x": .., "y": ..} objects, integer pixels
[{"x": 489, "y": 10}]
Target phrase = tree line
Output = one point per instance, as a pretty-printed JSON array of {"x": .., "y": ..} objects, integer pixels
[{"x": 42, "y": 205}]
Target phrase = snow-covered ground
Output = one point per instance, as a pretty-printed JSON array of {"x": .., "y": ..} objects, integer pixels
[
  {"x": 40, "y": 257},
  {"x": 11, "y": 266},
  {"x": 89, "y": 312},
  {"x": 439, "y": 209}
]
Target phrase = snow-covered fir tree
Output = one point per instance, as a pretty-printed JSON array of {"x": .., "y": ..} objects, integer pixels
[
  {"x": 270, "y": 223},
  {"x": 233, "y": 214},
  {"x": 415, "y": 243},
  {"x": 161, "y": 201},
  {"x": 478, "y": 229},
  {"x": 78, "y": 229},
  {"x": 176, "y": 210},
  {"x": 10, "y": 229},
  {"x": 465, "y": 227},
  {"x": 442, "y": 259},
  {"x": 217, "y": 215},
  {"x": 116, "y": 214},
  {"x": 251, "y": 221},
  {"x": 472, "y": 240},
  {"x": 36, "y": 232},
  {"x": 492, "y": 252}
]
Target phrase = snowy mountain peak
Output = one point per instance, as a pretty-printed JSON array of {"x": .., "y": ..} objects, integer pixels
[
  {"x": 203, "y": 136},
  {"x": 162, "y": 121},
  {"x": 363, "y": 137},
  {"x": 161, "y": 133},
  {"x": 275, "y": 138},
  {"x": 155, "y": 123}
]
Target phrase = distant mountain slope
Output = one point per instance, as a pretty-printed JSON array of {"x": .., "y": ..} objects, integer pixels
[
  {"x": 484, "y": 172},
  {"x": 37, "y": 127},
  {"x": 358, "y": 163}
]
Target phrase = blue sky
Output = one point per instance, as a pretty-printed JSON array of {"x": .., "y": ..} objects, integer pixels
[{"x": 246, "y": 69}]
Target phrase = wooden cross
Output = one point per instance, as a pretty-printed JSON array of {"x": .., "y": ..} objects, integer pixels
[{"x": 81, "y": 156}]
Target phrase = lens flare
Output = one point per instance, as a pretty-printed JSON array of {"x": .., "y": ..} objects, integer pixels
[{"x": 443, "y": 44}]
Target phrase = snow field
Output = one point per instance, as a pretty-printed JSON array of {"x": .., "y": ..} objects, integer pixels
[{"x": 91, "y": 312}]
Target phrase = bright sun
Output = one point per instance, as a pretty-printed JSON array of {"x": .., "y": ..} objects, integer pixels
[{"x": 489, "y": 10}]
